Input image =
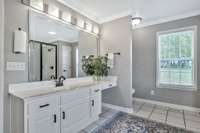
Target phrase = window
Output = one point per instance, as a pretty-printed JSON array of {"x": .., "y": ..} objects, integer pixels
[{"x": 176, "y": 58}]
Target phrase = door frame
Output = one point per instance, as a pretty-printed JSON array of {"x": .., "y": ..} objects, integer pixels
[
  {"x": 56, "y": 62},
  {"x": 1, "y": 65},
  {"x": 41, "y": 62}
]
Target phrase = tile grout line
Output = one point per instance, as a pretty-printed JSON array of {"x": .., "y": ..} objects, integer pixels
[
  {"x": 184, "y": 118},
  {"x": 152, "y": 111},
  {"x": 166, "y": 115},
  {"x": 140, "y": 107}
]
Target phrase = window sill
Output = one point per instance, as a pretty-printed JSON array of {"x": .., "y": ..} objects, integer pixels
[{"x": 177, "y": 87}]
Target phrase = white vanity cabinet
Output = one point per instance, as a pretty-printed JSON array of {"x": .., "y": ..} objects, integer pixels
[
  {"x": 42, "y": 114},
  {"x": 64, "y": 112},
  {"x": 95, "y": 102},
  {"x": 39, "y": 107},
  {"x": 46, "y": 122},
  {"x": 75, "y": 110}
]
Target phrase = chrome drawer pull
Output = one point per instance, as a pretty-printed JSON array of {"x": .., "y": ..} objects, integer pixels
[
  {"x": 46, "y": 105},
  {"x": 63, "y": 114},
  {"x": 92, "y": 102},
  {"x": 54, "y": 118}
]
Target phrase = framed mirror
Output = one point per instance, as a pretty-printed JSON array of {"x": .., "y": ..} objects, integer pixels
[{"x": 56, "y": 49}]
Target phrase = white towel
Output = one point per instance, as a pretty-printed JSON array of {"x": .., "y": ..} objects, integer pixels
[{"x": 111, "y": 60}]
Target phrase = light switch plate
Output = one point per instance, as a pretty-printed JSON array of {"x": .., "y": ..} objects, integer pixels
[{"x": 16, "y": 66}]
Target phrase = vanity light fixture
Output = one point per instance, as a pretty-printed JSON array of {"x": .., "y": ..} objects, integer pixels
[
  {"x": 66, "y": 16},
  {"x": 53, "y": 10},
  {"x": 96, "y": 29},
  {"x": 80, "y": 23},
  {"x": 136, "y": 20},
  {"x": 52, "y": 33},
  {"x": 88, "y": 26},
  {"x": 37, "y": 4}
]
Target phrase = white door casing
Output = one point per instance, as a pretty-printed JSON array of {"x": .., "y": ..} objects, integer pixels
[
  {"x": 1, "y": 63},
  {"x": 66, "y": 61}
]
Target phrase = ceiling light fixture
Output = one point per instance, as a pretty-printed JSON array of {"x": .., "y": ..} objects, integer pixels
[
  {"x": 37, "y": 4},
  {"x": 66, "y": 16},
  {"x": 88, "y": 26},
  {"x": 136, "y": 20},
  {"x": 52, "y": 33},
  {"x": 53, "y": 10}
]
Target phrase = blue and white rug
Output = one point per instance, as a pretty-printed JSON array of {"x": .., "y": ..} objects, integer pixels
[{"x": 125, "y": 123}]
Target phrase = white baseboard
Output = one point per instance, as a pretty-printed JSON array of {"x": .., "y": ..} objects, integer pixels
[
  {"x": 175, "y": 106},
  {"x": 122, "y": 109}
]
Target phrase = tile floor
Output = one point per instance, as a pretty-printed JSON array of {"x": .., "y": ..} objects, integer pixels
[
  {"x": 105, "y": 117},
  {"x": 177, "y": 118}
]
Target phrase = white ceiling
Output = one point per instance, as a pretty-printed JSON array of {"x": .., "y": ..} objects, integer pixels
[
  {"x": 40, "y": 25},
  {"x": 106, "y": 10}
]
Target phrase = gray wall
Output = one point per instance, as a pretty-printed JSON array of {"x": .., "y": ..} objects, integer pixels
[
  {"x": 16, "y": 15},
  {"x": 1, "y": 62},
  {"x": 144, "y": 64},
  {"x": 116, "y": 36},
  {"x": 87, "y": 45}
]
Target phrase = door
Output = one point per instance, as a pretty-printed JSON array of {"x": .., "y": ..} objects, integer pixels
[
  {"x": 47, "y": 122},
  {"x": 96, "y": 106},
  {"x": 66, "y": 61},
  {"x": 48, "y": 61},
  {"x": 75, "y": 118}
]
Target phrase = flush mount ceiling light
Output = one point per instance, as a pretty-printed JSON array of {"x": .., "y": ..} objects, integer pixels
[
  {"x": 52, "y": 33},
  {"x": 136, "y": 20}
]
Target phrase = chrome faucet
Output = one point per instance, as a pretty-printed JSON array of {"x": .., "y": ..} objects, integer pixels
[
  {"x": 53, "y": 77},
  {"x": 60, "y": 80}
]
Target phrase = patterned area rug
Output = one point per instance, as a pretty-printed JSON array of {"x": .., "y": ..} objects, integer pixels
[{"x": 124, "y": 123}]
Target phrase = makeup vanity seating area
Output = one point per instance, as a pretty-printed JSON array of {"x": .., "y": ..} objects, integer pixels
[{"x": 40, "y": 107}]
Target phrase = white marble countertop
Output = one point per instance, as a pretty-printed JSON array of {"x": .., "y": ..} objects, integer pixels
[
  {"x": 45, "y": 91},
  {"x": 24, "y": 91}
]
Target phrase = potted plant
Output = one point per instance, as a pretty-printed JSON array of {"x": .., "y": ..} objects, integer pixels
[{"x": 95, "y": 66}]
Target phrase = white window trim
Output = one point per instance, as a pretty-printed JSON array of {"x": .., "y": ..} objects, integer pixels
[{"x": 194, "y": 56}]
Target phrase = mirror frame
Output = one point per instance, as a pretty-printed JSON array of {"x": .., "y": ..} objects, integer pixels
[{"x": 41, "y": 44}]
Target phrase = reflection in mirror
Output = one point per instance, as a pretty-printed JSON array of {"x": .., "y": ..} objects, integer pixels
[{"x": 56, "y": 49}]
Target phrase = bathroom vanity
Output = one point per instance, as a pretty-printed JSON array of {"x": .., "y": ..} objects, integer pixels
[
  {"x": 40, "y": 107},
  {"x": 55, "y": 50}
]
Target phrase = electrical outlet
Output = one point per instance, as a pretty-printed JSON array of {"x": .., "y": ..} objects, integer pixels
[{"x": 152, "y": 92}]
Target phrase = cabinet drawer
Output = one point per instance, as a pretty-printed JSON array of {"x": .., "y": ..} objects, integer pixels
[
  {"x": 95, "y": 90},
  {"x": 107, "y": 85},
  {"x": 43, "y": 104},
  {"x": 74, "y": 95}
]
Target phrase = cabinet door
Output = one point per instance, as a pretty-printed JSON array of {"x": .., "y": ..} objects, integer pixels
[
  {"x": 96, "y": 105},
  {"x": 46, "y": 122},
  {"x": 75, "y": 118}
]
